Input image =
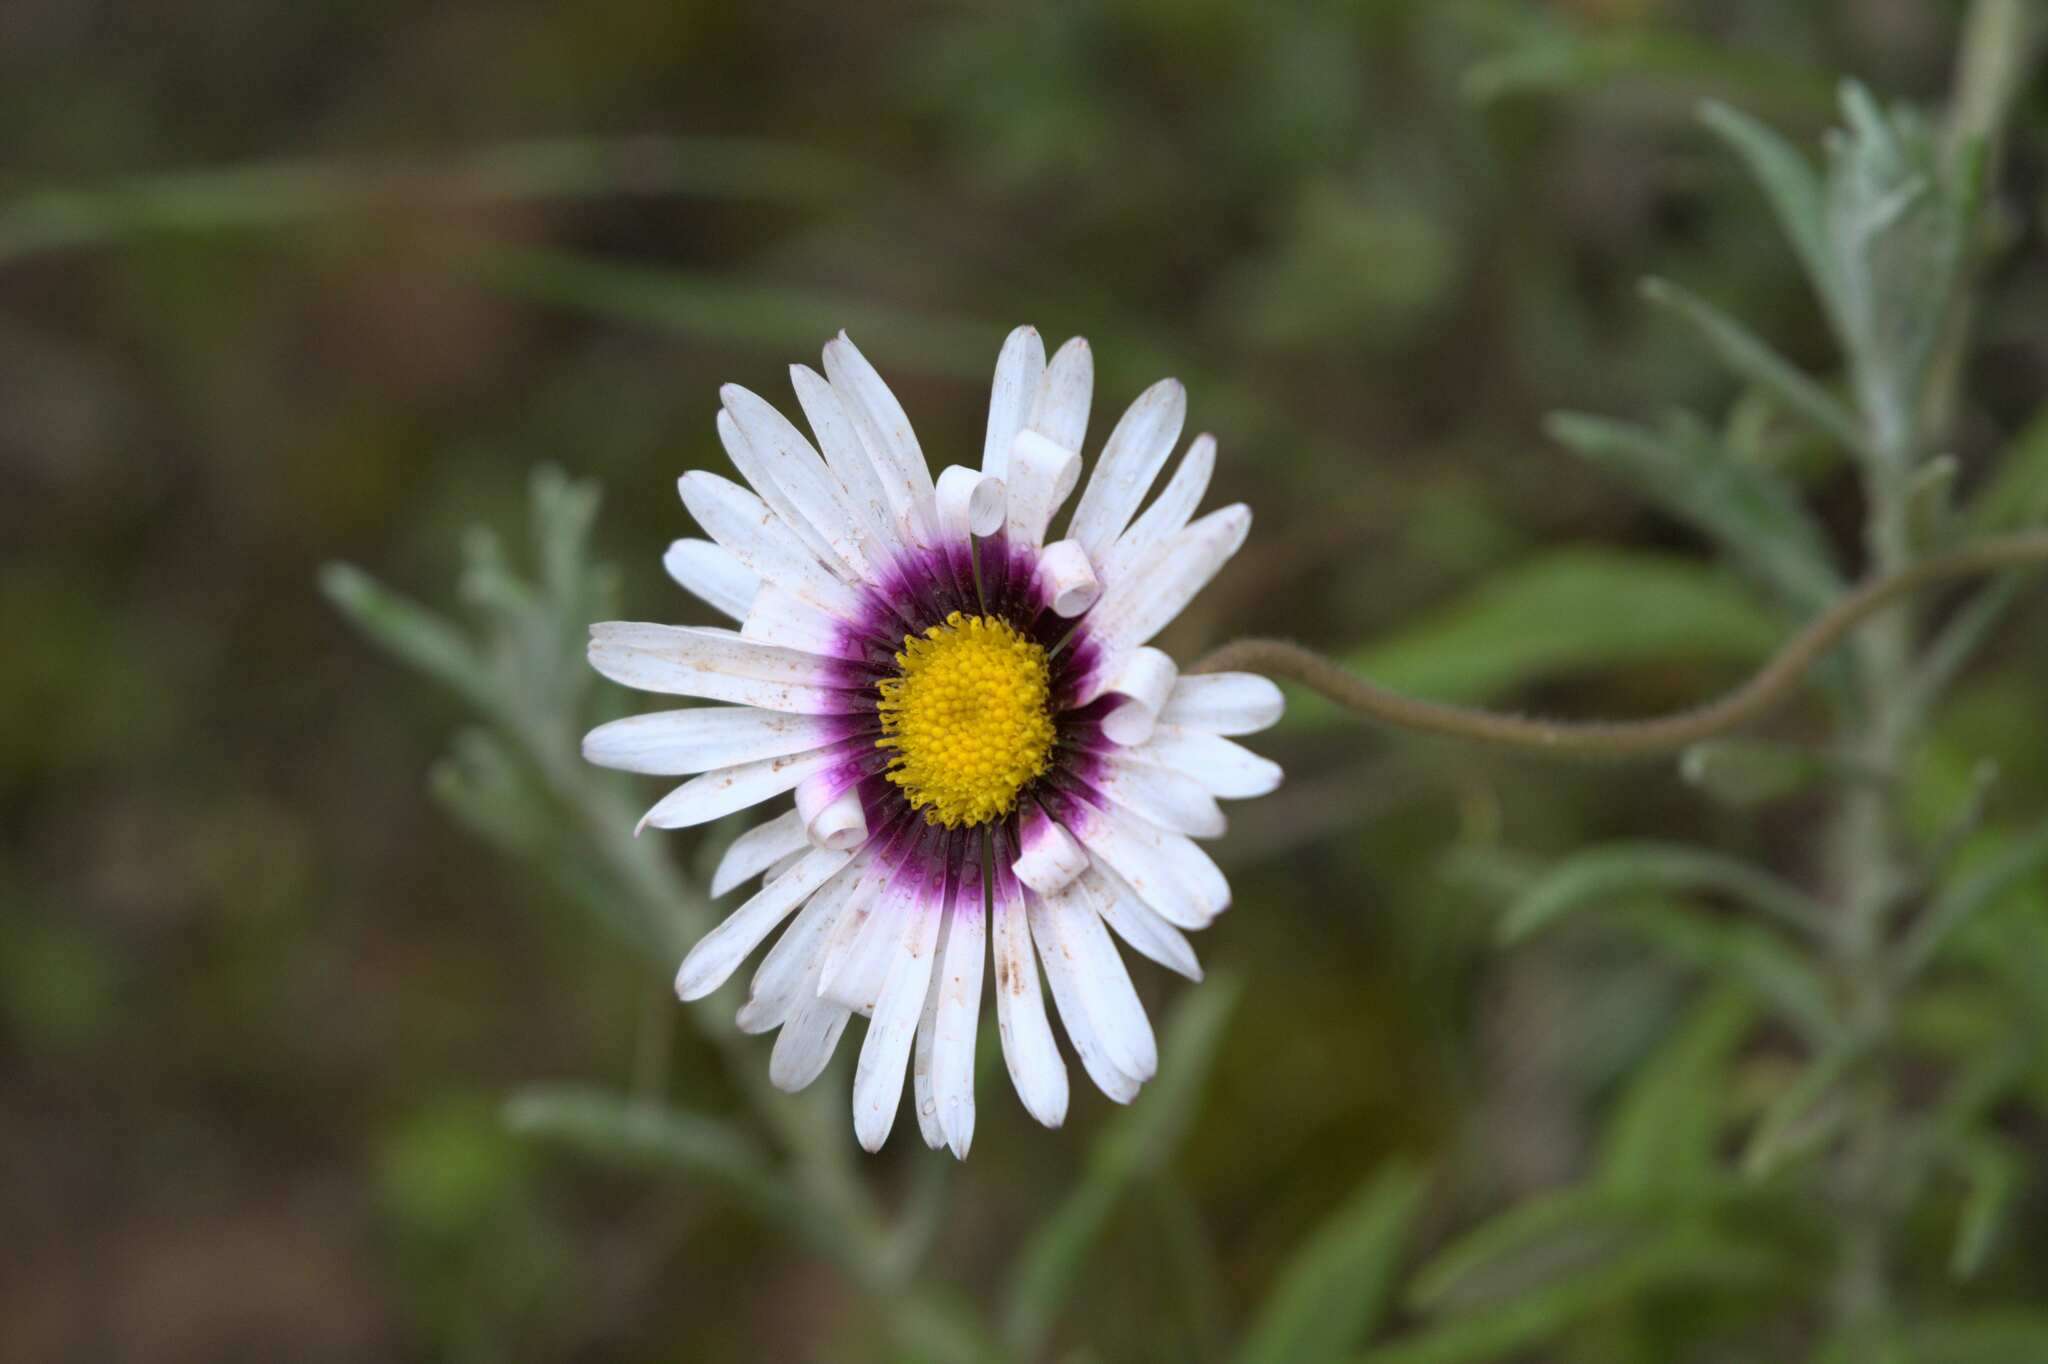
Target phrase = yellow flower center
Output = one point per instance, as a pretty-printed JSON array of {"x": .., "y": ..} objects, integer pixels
[{"x": 970, "y": 718}]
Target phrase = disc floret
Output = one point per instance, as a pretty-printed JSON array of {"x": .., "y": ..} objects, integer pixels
[{"x": 969, "y": 717}]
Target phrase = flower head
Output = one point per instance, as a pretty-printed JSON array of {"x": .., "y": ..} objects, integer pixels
[{"x": 988, "y": 758}]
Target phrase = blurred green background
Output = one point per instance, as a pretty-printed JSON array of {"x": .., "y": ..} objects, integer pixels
[{"x": 262, "y": 997}]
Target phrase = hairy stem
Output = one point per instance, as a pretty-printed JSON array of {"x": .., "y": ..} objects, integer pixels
[
  {"x": 1897, "y": 688},
  {"x": 1865, "y": 848},
  {"x": 1765, "y": 690}
]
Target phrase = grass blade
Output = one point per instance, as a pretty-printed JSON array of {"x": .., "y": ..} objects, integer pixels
[
  {"x": 1142, "y": 1138},
  {"x": 1603, "y": 873},
  {"x": 1746, "y": 354},
  {"x": 1332, "y": 1292}
]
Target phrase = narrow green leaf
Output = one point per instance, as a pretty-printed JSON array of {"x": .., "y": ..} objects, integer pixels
[
  {"x": 1603, "y": 874},
  {"x": 1788, "y": 1126},
  {"x": 1894, "y": 220},
  {"x": 2019, "y": 864},
  {"x": 1665, "y": 1131},
  {"x": 1749, "y": 510},
  {"x": 1748, "y": 953},
  {"x": 1573, "y": 59},
  {"x": 1144, "y": 1137},
  {"x": 1331, "y": 1293},
  {"x": 1993, "y": 66},
  {"x": 1993, "y": 1174},
  {"x": 1747, "y": 355},
  {"x": 1567, "y": 612},
  {"x": 646, "y": 1134},
  {"x": 2011, "y": 1335},
  {"x": 736, "y": 311},
  {"x": 1959, "y": 640},
  {"x": 1748, "y": 772},
  {"x": 1534, "y": 1241},
  {"x": 1789, "y": 183},
  {"x": 1930, "y": 499},
  {"x": 1865, "y": 1343},
  {"x": 933, "y": 1325},
  {"x": 282, "y": 194},
  {"x": 1694, "y": 1258},
  {"x": 1558, "y": 1234},
  {"x": 2016, "y": 493},
  {"x": 408, "y": 631},
  {"x": 503, "y": 801}
]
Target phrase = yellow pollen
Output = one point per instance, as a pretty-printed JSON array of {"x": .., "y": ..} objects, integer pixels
[{"x": 970, "y": 718}]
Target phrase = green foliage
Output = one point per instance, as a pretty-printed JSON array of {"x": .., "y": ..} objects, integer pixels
[
  {"x": 1141, "y": 1140},
  {"x": 272, "y": 197},
  {"x": 1335, "y": 1288},
  {"x": 1689, "y": 1106},
  {"x": 2020, "y": 864},
  {"x": 1665, "y": 1130},
  {"x": 1683, "y": 1259},
  {"x": 1567, "y": 612},
  {"x": 652, "y": 1135},
  {"x": 1754, "y": 515},
  {"x": 1601, "y": 874},
  {"x": 1750, "y": 358},
  {"x": 779, "y": 320},
  {"x": 1746, "y": 772},
  {"x": 520, "y": 783}
]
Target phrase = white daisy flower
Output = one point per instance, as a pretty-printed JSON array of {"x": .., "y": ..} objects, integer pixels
[{"x": 984, "y": 751}]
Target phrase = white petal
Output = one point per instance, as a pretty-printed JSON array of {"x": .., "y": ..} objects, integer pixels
[
  {"x": 784, "y": 620},
  {"x": 788, "y": 974},
  {"x": 884, "y": 429},
  {"x": 1018, "y": 371},
  {"x": 1070, "y": 577},
  {"x": 1224, "y": 703},
  {"x": 804, "y": 1046},
  {"x": 1225, "y": 769},
  {"x": 923, "y": 1097},
  {"x": 721, "y": 950},
  {"x": 723, "y": 790},
  {"x": 878, "y": 1079},
  {"x": 1060, "y": 410},
  {"x": 1105, "y": 985},
  {"x": 758, "y": 849},
  {"x": 1140, "y": 606},
  {"x": 1145, "y": 680},
  {"x": 831, "y": 811},
  {"x": 1138, "y": 923},
  {"x": 1130, "y": 461},
  {"x": 1096, "y": 1042},
  {"x": 1170, "y": 799},
  {"x": 753, "y": 466},
  {"x": 785, "y": 862},
  {"x": 817, "y": 504},
  {"x": 1049, "y": 857},
  {"x": 711, "y": 574},
  {"x": 674, "y": 742},
  {"x": 848, "y": 460},
  {"x": 683, "y": 660},
  {"x": 761, "y": 540},
  {"x": 1169, "y": 512},
  {"x": 923, "y": 1100},
  {"x": 1034, "y": 1061},
  {"x": 959, "y": 1012},
  {"x": 969, "y": 502},
  {"x": 857, "y": 958},
  {"x": 1168, "y": 871},
  {"x": 1042, "y": 473}
]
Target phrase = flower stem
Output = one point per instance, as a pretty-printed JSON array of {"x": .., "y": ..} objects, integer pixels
[
  {"x": 1766, "y": 689},
  {"x": 1865, "y": 848}
]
